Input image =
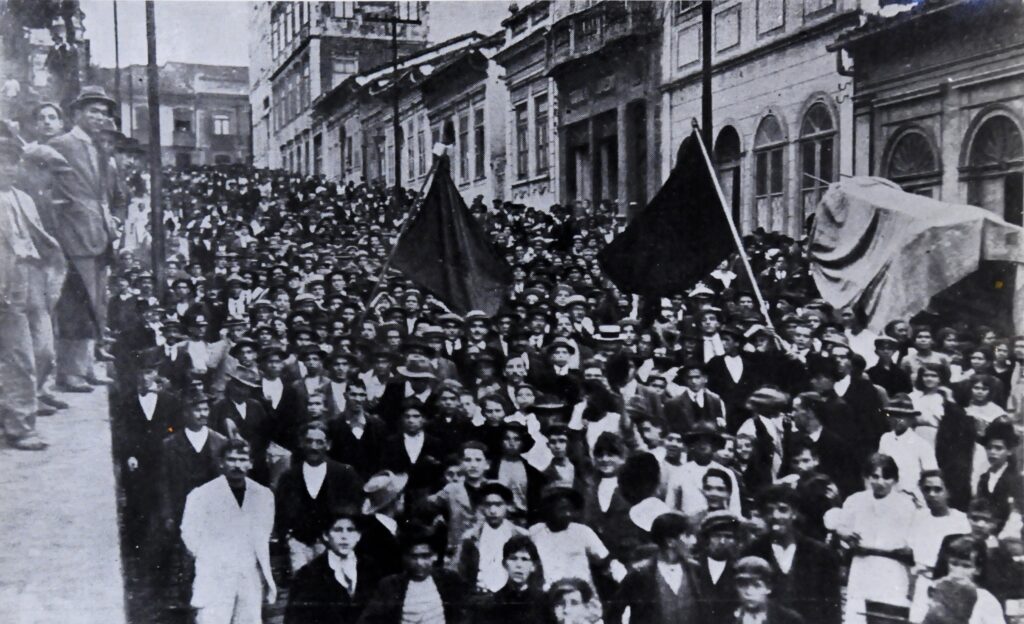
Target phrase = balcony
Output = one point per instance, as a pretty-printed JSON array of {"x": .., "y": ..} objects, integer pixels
[{"x": 598, "y": 25}]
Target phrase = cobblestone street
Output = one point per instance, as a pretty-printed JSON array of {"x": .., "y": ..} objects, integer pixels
[{"x": 60, "y": 555}]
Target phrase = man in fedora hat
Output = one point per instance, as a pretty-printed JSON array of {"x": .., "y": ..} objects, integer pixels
[
  {"x": 85, "y": 230},
  {"x": 383, "y": 508},
  {"x": 414, "y": 452},
  {"x": 912, "y": 453},
  {"x": 238, "y": 415},
  {"x": 415, "y": 382},
  {"x": 32, "y": 274}
]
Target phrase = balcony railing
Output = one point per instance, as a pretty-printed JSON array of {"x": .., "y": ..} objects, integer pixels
[{"x": 596, "y": 25}]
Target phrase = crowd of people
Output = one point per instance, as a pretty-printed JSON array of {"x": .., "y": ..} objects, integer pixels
[{"x": 579, "y": 456}]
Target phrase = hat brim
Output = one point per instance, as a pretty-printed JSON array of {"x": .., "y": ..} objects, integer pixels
[
  {"x": 408, "y": 374},
  {"x": 369, "y": 508},
  {"x": 83, "y": 100}
]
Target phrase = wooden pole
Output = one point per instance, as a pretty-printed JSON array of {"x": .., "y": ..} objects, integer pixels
[
  {"x": 732, "y": 227},
  {"x": 706, "y": 108},
  {"x": 117, "y": 67},
  {"x": 156, "y": 207}
]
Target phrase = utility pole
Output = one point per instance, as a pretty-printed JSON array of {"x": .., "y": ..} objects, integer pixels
[
  {"x": 707, "y": 125},
  {"x": 156, "y": 207},
  {"x": 404, "y": 12},
  {"x": 117, "y": 68}
]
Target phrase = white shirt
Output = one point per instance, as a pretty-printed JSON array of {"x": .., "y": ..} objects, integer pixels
[
  {"x": 673, "y": 575},
  {"x": 338, "y": 394},
  {"x": 197, "y": 438},
  {"x": 644, "y": 513},
  {"x": 715, "y": 568},
  {"x": 734, "y": 364},
  {"x": 344, "y": 570},
  {"x": 696, "y": 397},
  {"x": 842, "y": 386},
  {"x": 928, "y": 531},
  {"x": 272, "y": 390},
  {"x": 148, "y": 404},
  {"x": 567, "y": 554},
  {"x": 413, "y": 445},
  {"x": 240, "y": 408},
  {"x": 605, "y": 488},
  {"x": 312, "y": 384},
  {"x": 491, "y": 573},
  {"x": 199, "y": 354},
  {"x": 912, "y": 454},
  {"x": 784, "y": 556},
  {"x": 313, "y": 476},
  {"x": 712, "y": 347}
]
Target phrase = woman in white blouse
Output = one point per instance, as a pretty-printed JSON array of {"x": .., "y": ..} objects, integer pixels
[
  {"x": 875, "y": 525},
  {"x": 930, "y": 396}
]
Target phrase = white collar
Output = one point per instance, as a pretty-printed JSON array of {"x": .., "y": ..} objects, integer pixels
[
  {"x": 842, "y": 385},
  {"x": 389, "y": 523},
  {"x": 409, "y": 392},
  {"x": 197, "y": 438},
  {"x": 995, "y": 475}
]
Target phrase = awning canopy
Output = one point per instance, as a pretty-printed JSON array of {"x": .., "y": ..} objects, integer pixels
[{"x": 888, "y": 252}]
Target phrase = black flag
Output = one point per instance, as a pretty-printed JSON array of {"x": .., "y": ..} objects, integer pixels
[
  {"x": 678, "y": 238},
  {"x": 446, "y": 251}
]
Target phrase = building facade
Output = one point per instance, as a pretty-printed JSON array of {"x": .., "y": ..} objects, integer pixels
[
  {"x": 939, "y": 109},
  {"x": 782, "y": 109},
  {"x": 301, "y": 50},
  {"x": 531, "y": 128},
  {"x": 205, "y": 117},
  {"x": 604, "y": 59},
  {"x": 450, "y": 93}
]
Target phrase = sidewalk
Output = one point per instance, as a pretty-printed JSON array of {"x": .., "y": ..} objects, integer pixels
[{"x": 60, "y": 558}]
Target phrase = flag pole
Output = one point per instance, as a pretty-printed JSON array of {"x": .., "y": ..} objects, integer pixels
[
  {"x": 401, "y": 232},
  {"x": 732, "y": 227}
]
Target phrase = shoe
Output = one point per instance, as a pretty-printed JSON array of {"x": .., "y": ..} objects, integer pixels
[
  {"x": 45, "y": 410},
  {"x": 28, "y": 443},
  {"x": 98, "y": 381},
  {"x": 73, "y": 384},
  {"x": 52, "y": 401}
]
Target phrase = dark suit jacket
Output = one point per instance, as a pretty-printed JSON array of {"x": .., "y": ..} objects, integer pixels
[
  {"x": 618, "y": 532},
  {"x": 719, "y": 599},
  {"x": 386, "y": 605},
  {"x": 306, "y": 518},
  {"x": 182, "y": 469},
  {"x": 567, "y": 387},
  {"x": 733, "y": 393},
  {"x": 363, "y": 454},
  {"x": 836, "y": 461},
  {"x": 511, "y": 606},
  {"x": 863, "y": 399},
  {"x": 778, "y": 614},
  {"x": 813, "y": 586},
  {"x": 893, "y": 379},
  {"x": 1009, "y": 486},
  {"x": 389, "y": 407},
  {"x": 639, "y": 592},
  {"x": 379, "y": 544},
  {"x": 425, "y": 473},
  {"x": 681, "y": 413},
  {"x": 534, "y": 485},
  {"x": 257, "y": 429},
  {"x": 316, "y": 597}
]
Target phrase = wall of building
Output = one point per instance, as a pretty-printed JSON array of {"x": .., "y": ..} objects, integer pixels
[{"x": 782, "y": 73}]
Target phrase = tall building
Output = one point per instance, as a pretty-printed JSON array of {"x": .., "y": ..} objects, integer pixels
[
  {"x": 604, "y": 60},
  {"x": 782, "y": 106},
  {"x": 204, "y": 112},
  {"x": 938, "y": 108},
  {"x": 531, "y": 128},
  {"x": 300, "y": 50}
]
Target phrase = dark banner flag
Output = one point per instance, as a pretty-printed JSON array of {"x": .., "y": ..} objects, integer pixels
[
  {"x": 446, "y": 251},
  {"x": 678, "y": 238}
]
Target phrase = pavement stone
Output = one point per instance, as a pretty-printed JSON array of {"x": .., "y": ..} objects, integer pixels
[{"x": 60, "y": 558}]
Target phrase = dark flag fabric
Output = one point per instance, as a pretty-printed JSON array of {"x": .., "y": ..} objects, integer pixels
[
  {"x": 678, "y": 238},
  {"x": 445, "y": 251}
]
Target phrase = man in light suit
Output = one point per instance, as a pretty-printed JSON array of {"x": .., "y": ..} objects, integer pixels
[
  {"x": 85, "y": 229},
  {"x": 226, "y": 526},
  {"x": 31, "y": 269}
]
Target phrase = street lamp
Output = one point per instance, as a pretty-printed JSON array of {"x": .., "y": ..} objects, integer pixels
[{"x": 395, "y": 13}]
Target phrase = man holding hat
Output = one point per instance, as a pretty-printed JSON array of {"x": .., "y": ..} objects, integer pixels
[
  {"x": 383, "y": 508},
  {"x": 33, "y": 270},
  {"x": 85, "y": 230}
]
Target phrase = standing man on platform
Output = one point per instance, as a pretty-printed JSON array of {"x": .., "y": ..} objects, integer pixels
[
  {"x": 31, "y": 264},
  {"x": 85, "y": 229}
]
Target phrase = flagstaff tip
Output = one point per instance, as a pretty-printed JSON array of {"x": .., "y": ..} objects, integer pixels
[{"x": 694, "y": 124}]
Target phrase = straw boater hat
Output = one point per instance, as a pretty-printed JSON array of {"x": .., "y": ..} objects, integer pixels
[
  {"x": 382, "y": 489},
  {"x": 416, "y": 370}
]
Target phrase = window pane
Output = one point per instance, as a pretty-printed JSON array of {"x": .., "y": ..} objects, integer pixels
[
  {"x": 826, "y": 159},
  {"x": 761, "y": 174},
  {"x": 478, "y": 142},
  {"x": 807, "y": 158},
  {"x": 522, "y": 142},
  {"x": 541, "y": 129},
  {"x": 464, "y": 146},
  {"x": 776, "y": 169}
]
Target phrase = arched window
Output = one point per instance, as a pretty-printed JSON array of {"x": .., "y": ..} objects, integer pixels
[
  {"x": 995, "y": 168},
  {"x": 727, "y": 161},
  {"x": 769, "y": 145},
  {"x": 817, "y": 155},
  {"x": 912, "y": 162}
]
